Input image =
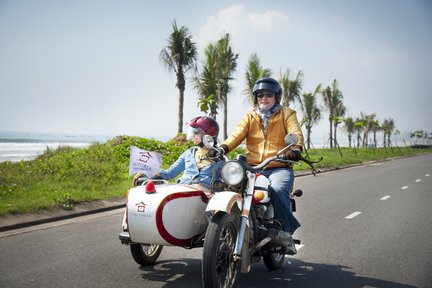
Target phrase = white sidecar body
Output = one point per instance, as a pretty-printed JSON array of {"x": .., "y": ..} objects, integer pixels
[{"x": 171, "y": 215}]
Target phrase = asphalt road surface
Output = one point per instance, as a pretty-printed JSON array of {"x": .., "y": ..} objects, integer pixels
[{"x": 368, "y": 226}]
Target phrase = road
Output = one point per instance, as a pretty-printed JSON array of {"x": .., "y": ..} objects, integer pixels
[{"x": 368, "y": 226}]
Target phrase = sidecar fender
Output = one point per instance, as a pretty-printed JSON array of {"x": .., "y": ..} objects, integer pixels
[{"x": 225, "y": 201}]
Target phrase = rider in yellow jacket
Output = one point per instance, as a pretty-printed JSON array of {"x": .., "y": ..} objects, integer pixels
[{"x": 264, "y": 128}]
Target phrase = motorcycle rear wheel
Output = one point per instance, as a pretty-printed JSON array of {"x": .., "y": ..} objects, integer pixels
[
  {"x": 274, "y": 261},
  {"x": 218, "y": 268},
  {"x": 145, "y": 254}
]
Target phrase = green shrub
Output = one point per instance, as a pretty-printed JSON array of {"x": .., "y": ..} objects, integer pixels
[{"x": 66, "y": 176}]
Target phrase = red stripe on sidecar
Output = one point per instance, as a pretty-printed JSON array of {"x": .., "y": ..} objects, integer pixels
[{"x": 159, "y": 222}]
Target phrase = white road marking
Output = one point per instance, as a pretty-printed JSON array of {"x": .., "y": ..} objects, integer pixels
[
  {"x": 175, "y": 277},
  {"x": 427, "y": 175},
  {"x": 299, "y": 246},
  {"x": 385, "y": 197},
  {"x": 352, "y": 215},
  {"x": 404, "y": 187},
  {"x": 418, "y": 180}
]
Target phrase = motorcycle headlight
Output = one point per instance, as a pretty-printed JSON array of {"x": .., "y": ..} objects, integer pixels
[{"x": 233, "y": 172}]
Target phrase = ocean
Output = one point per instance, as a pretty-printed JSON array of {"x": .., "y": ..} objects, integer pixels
[{"x": 22, "y": 146}]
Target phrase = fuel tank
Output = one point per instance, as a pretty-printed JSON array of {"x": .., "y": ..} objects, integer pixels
[{"x": 171, "y": 215}]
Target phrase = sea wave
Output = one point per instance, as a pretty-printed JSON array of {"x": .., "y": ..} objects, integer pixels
[
  {"x": 20, "y": 146},
  {"x": 21, "y": 151}
]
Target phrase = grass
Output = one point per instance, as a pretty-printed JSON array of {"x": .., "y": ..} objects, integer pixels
[
  {"x": 334, "y": 158},
  {"x": 61, "y": 178}
]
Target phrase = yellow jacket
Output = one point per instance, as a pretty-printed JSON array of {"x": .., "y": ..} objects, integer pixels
[{"x": 261, "y": 145}]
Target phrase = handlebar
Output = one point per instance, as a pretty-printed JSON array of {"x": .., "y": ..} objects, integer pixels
[
  {"x": 311, "y": 164},
  {"x": 277, "y": 158},
  {"x": 257, "y": 168}
]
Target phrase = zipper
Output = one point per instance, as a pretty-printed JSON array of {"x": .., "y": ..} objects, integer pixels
[{"x": 265, "y": 143}]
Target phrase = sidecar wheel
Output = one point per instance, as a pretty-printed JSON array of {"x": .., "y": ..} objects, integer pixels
[
  {"x": 218, "y": 268},
  {"x": 145, "y": 254},
  {"x": 274, "y": 261}
]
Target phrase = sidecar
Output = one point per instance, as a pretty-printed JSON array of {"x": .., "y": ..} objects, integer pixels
[{"x": 165, "y": 214}]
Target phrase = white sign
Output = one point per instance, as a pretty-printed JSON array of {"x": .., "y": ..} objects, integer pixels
[{"x": 142, "y": 161}]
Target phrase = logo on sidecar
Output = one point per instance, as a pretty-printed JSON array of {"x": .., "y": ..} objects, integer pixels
[{"x": 141, "y": 206}]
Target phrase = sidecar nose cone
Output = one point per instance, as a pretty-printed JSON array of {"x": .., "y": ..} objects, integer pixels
[{"x": 150, "y": 187}]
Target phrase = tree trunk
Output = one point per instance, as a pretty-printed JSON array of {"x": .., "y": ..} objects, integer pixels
[
  {"x": 331, "y": 131},
  {"x": 358, "y": 138},
  {"x": 180, "y": 111},
  {"x": 335, "y": 136},
  {"x": 225, "y": 124}
]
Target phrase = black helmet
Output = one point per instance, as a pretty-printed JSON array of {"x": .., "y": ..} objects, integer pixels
[{"x": 267, "y": 83}]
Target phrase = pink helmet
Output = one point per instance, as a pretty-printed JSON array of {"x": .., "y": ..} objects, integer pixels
[{"x": 205, "y": 123}]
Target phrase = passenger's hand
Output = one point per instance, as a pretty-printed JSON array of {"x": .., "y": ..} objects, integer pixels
[
  {"x": 294, "y": 155},
  {"x": 221, "y": 150},
  {"x": 156, "y": 177},
  {"x": 135, "y": 179}
]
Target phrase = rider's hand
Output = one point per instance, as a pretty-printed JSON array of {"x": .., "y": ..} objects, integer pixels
[
  {"x": 293, "y": 154},
  {"x": 135, "y": 179}
]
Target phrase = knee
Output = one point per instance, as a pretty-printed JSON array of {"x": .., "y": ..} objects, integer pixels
[{"x": 282, "y": 186}]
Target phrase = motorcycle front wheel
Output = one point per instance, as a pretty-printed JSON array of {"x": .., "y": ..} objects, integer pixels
[
  {"x": 145, "y": 254},
  {"x": 218, "y": 268}
]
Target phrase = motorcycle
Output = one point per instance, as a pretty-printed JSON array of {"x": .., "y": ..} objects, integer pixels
[{"x": 234, "y": 224}]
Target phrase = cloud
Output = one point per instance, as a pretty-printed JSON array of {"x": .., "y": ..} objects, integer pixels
[
  {"x": 237, "y": 21},
  {"x": 268, "y": 20}
]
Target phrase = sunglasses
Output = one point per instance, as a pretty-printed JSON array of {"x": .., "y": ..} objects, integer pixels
[{"x": 260, "y": 95}]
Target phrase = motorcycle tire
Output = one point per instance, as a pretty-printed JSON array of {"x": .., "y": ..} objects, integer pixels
[
  {"x": 145, "y": 254},
  {"x": 218, "y": 268},
  {"x": 274, "y": 261}
]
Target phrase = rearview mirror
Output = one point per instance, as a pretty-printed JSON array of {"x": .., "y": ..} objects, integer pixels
[
  {"x": 208, "y": 141},
  {"x": 291, "y": 139}
]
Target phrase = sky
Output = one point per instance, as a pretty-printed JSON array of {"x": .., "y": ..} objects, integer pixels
[{"x": 92, "y": 67}]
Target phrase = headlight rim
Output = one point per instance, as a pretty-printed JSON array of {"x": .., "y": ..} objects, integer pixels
[{"x": 242, "y": 173}]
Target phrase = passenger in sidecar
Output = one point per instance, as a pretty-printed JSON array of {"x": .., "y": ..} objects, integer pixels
[{"x": 197, "y": 167}]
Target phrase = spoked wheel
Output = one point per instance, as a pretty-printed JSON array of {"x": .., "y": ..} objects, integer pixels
[
  {"x": 274, "y": 261},
  {"x": 145, "y": 254},
  {"x": 218, "y": 267}
]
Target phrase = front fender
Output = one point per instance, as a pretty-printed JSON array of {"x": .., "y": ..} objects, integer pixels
[{"x": 225, "y": 201}]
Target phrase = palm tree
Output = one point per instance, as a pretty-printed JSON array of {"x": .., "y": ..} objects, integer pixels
[
  {"x": 311, "y": 112},
  {"x": 367, "y": 127},
  {"x": 387, "y": 127},
  {"x": 291, "y": 89},
  {"x": 254, "y": 71},
  {"x": 418, "y": 135},
  {"x": 179, "y": 56},
  {"x": 371, "y": 125},
  {"x": 218, "y": 67},
  {"x": 206, "y": 83},
  {"x": 338, "y": 114},
  {"x": 332, "y": 99},
  {"x": 375, "y": 127},
  {"x": 228, "y": 65},
  {"x": 358, "y": 126},
  {"x": 349, "y": 128}
]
